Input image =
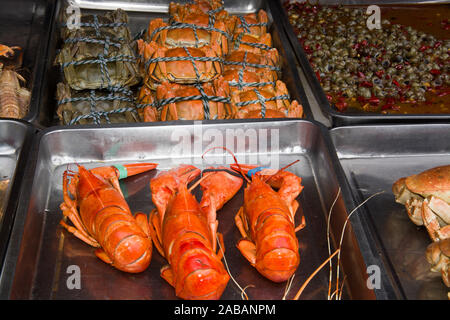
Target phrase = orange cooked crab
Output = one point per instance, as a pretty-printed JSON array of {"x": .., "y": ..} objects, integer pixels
[
  {"x": 438, "y": 255},
  {"x": 146, "y": 105},
  {"x": 201, "y": 14},
  {"x": 190, "y": 105},
  {"x": 426, "y": 197},
  {"x": 267, "y": 62},
  {"x": 182, "y": 36},
  {"x": 265, "y": 102},
  {"x": 252, "y": 24},
  {"x": 244, "y": 42},
  {"x": 242, "y": 79},
  {"x": 180, "y": 65}
]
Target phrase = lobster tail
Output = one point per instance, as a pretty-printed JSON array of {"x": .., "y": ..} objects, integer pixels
[
  {"x": 203, "y": 275},
  {"x": 277, "y": 255}
]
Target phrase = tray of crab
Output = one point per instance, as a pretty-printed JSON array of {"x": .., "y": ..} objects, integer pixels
[
  {"x": 185, "y": 63},
  {"x": 187, "y": 222}
]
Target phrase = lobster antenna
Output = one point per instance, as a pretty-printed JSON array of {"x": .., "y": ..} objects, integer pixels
[
  {"x": 300, "y": 291},
  {"x": 342, "y": 234},
  {"x": 328, "y": 242},
  {"x": 234, "y": 157},
  {"x": 288, "y": 286},
  {"x": 285, "y": 167},
  {"x": 243, "y": 294},
  {"x": 196, "y": 183}
]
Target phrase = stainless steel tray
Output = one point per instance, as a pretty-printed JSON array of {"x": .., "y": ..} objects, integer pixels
[
  {"x": 373, "y": 157},
  {"x": 140, "y": 12},
  {"x": 15, "y": 140},
  {"x": 349, "y": 118},
  {"x": 27, "y": 24},
  {"x": 42, "y": 250}
]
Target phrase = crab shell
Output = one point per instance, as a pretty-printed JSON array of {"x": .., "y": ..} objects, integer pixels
[
  {"x": 438, "y": 255},
  {"x": 279, "y": 108},
  {"x": 193, "y": 109},
  {"x": 426, "y": 197},
  {"x": 178, "y": 71},
  {"x": 256, "y": 20},
  {"x": 188, "y": 37},
  {"x": 235, "y": 77},
  {"x": 244, "y": 43},
  {"x": 270, "y": 59},
  {"x": 201, "y": 10}
]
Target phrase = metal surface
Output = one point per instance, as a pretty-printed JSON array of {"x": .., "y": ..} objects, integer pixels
[
  {"x": 347, "y": 118},
  {"x": 26, "y": 24},
  {"x": 15, "y": 138},
  {"x": 140, "y": 13},
  {"x": 373, "y": 158},
  {"x": 42, "y": 250}
]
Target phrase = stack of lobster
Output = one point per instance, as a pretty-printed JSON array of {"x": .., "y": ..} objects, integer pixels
[
  {"x": 207, "y": 64},
  {"x": 14, "y": 99},
  {"x": 185, "y": 231}
]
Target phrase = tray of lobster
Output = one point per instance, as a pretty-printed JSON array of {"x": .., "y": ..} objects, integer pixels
[
  {"x": 126, "y": 62},
  {"x": 167, "y": 212},
  {"x": 24, "y": 32}
]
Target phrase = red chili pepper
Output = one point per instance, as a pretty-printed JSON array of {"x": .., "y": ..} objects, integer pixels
[
  {"x": 341, "y": 106},
  {"x": 374, "y": 100},
  {"x": 366, "y": 84},
  {"x": 387, "y": 77},
  {"x": 423, "y": 48},
  {"x": 437, "y": 44},
  {"x": 435, "y": 71},
  {"x": 361, "y": 99},
  {"x": 318, "y": 75},
  {"x": 380, "y": 73},
  {"x": 386, "y": 106},
  {"x": 364, "y": 43},
  {"x": 361, "y": 75},
  {"x": 329, "y": 97},
  {"x": 444, "y": 93},
  {"x": 395, "y": 107},
  {"x": 396, "y": 83},
  {"x": 399, "y": 67}
]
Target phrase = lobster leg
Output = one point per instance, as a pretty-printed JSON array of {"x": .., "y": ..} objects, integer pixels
[
  {"x": 246, "y": 247},
  {"x": 167, "y": 274},
  {"x": 69, "y": 210},
  {"x": 155, "y": 231}
]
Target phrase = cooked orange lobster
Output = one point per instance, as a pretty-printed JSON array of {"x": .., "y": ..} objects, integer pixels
[
  {"x": 266, "y": 222},
  {"x": 185, "y": 232},
  {"x": 102, "y": 218}
]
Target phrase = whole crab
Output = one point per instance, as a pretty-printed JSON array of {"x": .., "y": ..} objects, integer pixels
[
  {"x": 265, "y": 102},
  {"x": 426, "y": 197},
  {"x": 184, "y": 102},
  {"x": 180, "y": 65},
  {"x": 171, "y": 36}
]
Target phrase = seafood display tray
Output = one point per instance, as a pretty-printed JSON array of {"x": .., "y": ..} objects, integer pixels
[
  {"x": 15, "y": 140},
  {"x": 26, "y": 24},
  {"x": 139, "y": 14},
  {"x": 41, "y": 250},
  {"x": 372, "y": 162},
  {"x": 349, "y": 118}
]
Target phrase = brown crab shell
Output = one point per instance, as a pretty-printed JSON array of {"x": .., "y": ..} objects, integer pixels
[{"x": 434, "y": 181}]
